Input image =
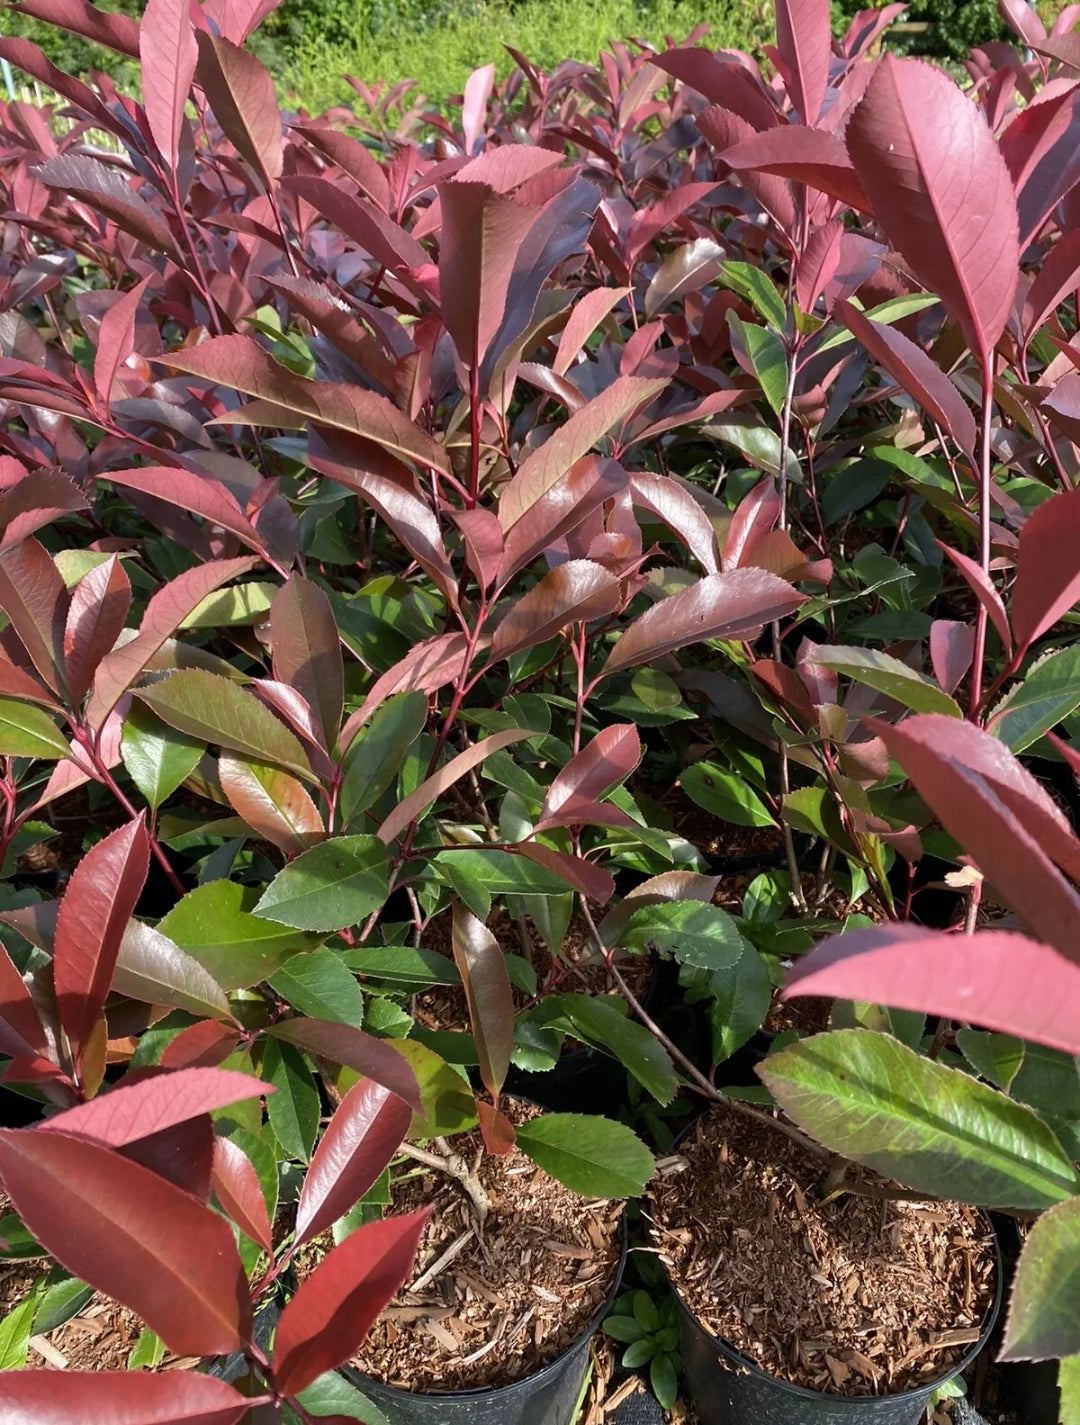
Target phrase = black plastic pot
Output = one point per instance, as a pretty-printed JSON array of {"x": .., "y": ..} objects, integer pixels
[
  {"x": 548, "y": 1397},
  {"x": 729, "y": 1388}
]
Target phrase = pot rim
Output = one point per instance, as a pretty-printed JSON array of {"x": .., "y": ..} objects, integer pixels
[
  {"x": 725, "y": 1348},
  {"x": 529, "y": 1382}
]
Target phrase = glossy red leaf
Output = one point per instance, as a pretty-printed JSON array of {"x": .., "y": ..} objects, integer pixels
[
  {"x": 804, "y": 42},
  {"x": 735, "y": 605},
  {"x": 578, "y": 591},
  {"x": 367, "y": 224},
  {"x": 811, "y": 156},
  {"x": 30, "y": 1397},
  {"x": 585, "y": 316},
  {"x": 202, "y": 1045},
  {"x": 336, "y": 1306},
  {"x": 972, "y": 813},
  {"x": 916, "y": 372},
  {"x": 429, "y": 791},
  {"x": 1041, "y": 147},
  {"x": 168, "y": 54},
  {"x": 996, "y": 979},
  {"x": 941, "y": 191},
  {"x": 95, "y": 620},
  {"x": 483, "y": 538},
  {"x": 819, "y": 262},
  {"x": 587, "y": 484},
  {"x": 131, "y": 1111},
  {"x": 36, "y": 501},
  {"x": 134, "y": 1236},
  {"x": 236, "y": 1186},
  {"x": 982, "y": 587},
  {"x": 604, "y": 762},
  {"x": 508, "y": 165},
  {"x": 241, "y": 94},
  {"x": 166, "y": 611},
  {"x": 33, "y": 596},
  {"x": 490, "y": 996},
  {"x": 499, "y": 1133},
  {"x": 365, "y": 1132},
  {"x": 182, "y": 1154},
  {"x": 99, "y": 901},
  {"x": 21, "y": 1031},
  {"x": 952, "y": 648},
  {"x": 116, "y": 340},
  {"x": 1023, "y": 19},
  {"x": 197, "y": 494},
  {"x": 1047, "y": 567},
  {"x": 584, "y": 876},
  {"x": 674, "y": 504},
  {"x": 648, "y": 223},
  {"x": 755, "y": 517},
  {"x": 376, "y": 1059},
  {"x": 14, "y": 683},
  {"x": 540, "y": 470},
  {"x": 307, "y": 651}
]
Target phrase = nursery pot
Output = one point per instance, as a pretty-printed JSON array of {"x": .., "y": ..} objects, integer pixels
[
  {"x": 729, "y": 1388},
  {"x": 550, "y": 1396}
]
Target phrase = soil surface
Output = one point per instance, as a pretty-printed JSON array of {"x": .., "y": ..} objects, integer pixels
[
  {"x": 514, "y": 1295},
  {"x": 858, "y": 1296}
]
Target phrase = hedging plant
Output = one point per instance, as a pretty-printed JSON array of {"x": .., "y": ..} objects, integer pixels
[{"x": 400, "y": 531}]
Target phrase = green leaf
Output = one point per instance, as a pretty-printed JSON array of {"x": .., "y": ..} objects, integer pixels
[
  {"x": 757, "y": 442},
  {"x": 402, "y": 965},
  {"x": 995, "y": 1057},
  {"x": 693, "y": 932},
  {"x": 588, "y": 1154},
  {"x": 853, "y": 488},
  {"x": 214, "y": 709},
  {"x": 742, "y": 995},
  {"x": 214, "y": 924},
  {"x": 449, "y": 1103},
  {"x": 321, "y": 986},
  {"x": 148, "y": 1351},
  {"x": 768, "y": 358},
  {"x": 294, "y": 1110},
  {"x": 750, "y": 282},
  {"x": 1049, "y": 693},
  {"x": 157, "y": 757},
  {"x": 938, "y": 1130},
  {"x": 332, "y": 1394},
  {"x": 335, "y": 884},
  {"x": 599, "y": 1023},
  {"x": 1044, "y": 1313},
  {"x": 240, "y": 604},
  {"x": 27, "y": 731},
  {"x": 60, "y": 1301},
  {"x": 888, "y": 675},
  {"x": 1069, "y": 1386},
  {"x": 658, "y": 691},
  {"x": 20, "y": 1245},
  {"x": 377, "y": 752},
  {"x": 725, "y": 795},
  {"x": 17, "y": 1327},
  {"x": 663, "y": 1381},
  {"x": 637, "y": 1354},
  {"x": 478, "y": 876},
  {"x": 623, "y": 1328},
  {"x": 645, "y": 1312}
]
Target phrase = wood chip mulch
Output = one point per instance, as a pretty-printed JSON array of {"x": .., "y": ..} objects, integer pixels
[
  {"x": 487, "y": 1306},
  {"x": 858, "y": 1296}
]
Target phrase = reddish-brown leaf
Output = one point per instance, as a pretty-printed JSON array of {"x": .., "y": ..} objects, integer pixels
[
  {"x": 1047, "y": 567},
  {"x": 33, "y": 596},
  {"x": 116, "y": 340},
  {"x": 202, "y": 1045},
  {"x": 588, "y": 483},
  {"x": 736, "y": 605},
  {"x": 360, "y": 1140},
  {"x": 307, "y": 651},
  {"x": 21, "y": 1031},
  {"x": 38, "y": 499},
  {"x": 353, "y": 1049},
  {"x": 276, "y": 806},
  {"x": 674, "y": 503},
  {"x": 995, "y": 978},
  {"x": 584, "y": 876},
  {"x": 489, "y": 994},
  {"x": 236, "y": 1186},
  {"x": 168, "y": 53},
  {"x": 755, "y": 517},
  {"x": 578, "y": 591},
  {"x": 982, "y": 587},
  {"x": 499, "y": 1133},
  {"x": 353, "y": 158},
  {"x": 941, "y": 190},
  {"x": 241, "y": 94},
  {"x": 952, "y": 648},
  {"x": 30, "y": 1397},
  {"x": 804, "y": 43},
  {"x": 607, "y": 760},
  {"x": 182, "y": 1154},
  {"x": 337, "y": 1305},
  {"x": 96, "y": 617},
  {"x": 811, "y": 156},
  {"x": 132, "y": 1235},
  {"x": 1041, "y": 150},
  {"x": 99, "y": 901},
  {"x": 195, "y": 493}
]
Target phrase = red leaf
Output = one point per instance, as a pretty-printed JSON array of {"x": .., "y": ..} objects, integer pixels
[
  {"x": 995, "y": 978},
  {"x": 386, "y": 241},
  {"x": 99, "y": 901},
  {"x": 96, "y": 618},
  {"x": 726, "y": 131},
  {"x": 481, "y": 234},
  {"x": 30, "y": 1397},
  {"x": 33, "y": 596},
  {"x": 197, "y": 494},
  {"x": 360, "y": 1140},
  {"x": 490, "y": 996},
  {"x": 591, "y": 880},
  {"x": 673, "y": 503},
  {"x": 165, "y": 612},
  {"x": 418, "y": 801},
  {"x": 202, "y": 1045},
  {"x": 722, "y": 81},
  {"x": 1047, "y": 567},
  {"x": 116, "y": 340},
  {"x": 585, "y": 316},
  {"x": 499, "y": 1133},
  {"x": 168, "y": 54},
  {"x": 241, "y": 94},
  {"x": 474, "y": 104},
  {"x": 648, "y": 223},
  {"x": 819, "y": 263},
  {"x": 508, "y": 165},
  {"x": 353, "y": 1049},
  {"x": 952, "y": 648},
  {"x": 1056, "y": 279},
  {"x": 240, "y": 363},
  {"x": 540, "y": 470},
  {"x": 1023, "y": 19},
  {"x": 132, "y": 1111},
  {"x": 330, "y": 1315},
  {"x": 21, "y": 1031},
  {"x": 38, "y": 499},
  {"x": 236, "y": 1186},
  {"x": 106, "y": 191},
  {"x": 607, "y": 760},
  {"x": 307, "y": 651},
  {"x": 1041, "y": 148},
  {"x": 804, "y": 41},
  {"x": 182, "y": 1154},
  {"x": 588, "y": 483},
  {"x": 755, "y": 516},
  {"x": 33, "y": 61},
  {"x": 483, "y": 539},
  {"x": 428, "y": 666},
  {"x": 353, "y": 158},
  {"x": 236, "y": 19},
  {"x": 735, "y": 605},
  {"x": 982, "y": 587},
  {"x": 578, "y": 591},
  {"x": 941, "y": 191},
  {"x": 103, "y": 27},
  {"x": 132, "y": 1235},
  {"x": 1008, "y": 855},
  {"x": 916, "y": 372}
]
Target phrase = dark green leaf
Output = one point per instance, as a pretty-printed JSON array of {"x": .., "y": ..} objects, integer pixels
[
  {"x": 294, "y": 1110},
  {"x": 1049, "y": 692},
  {"x": 336, "y": 884},
  {"x": 1044, "y": 1313},
  {"x": 888, "y": 675},
  {"x": 725, "y": 795},
  {"x": 402, "y": 964},
  {"x": 741, "y": 997},
  {"x": 694, "y": 932},
  {"x": 373, "y": 760},
  {"x": 599, "y": 1023}
]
